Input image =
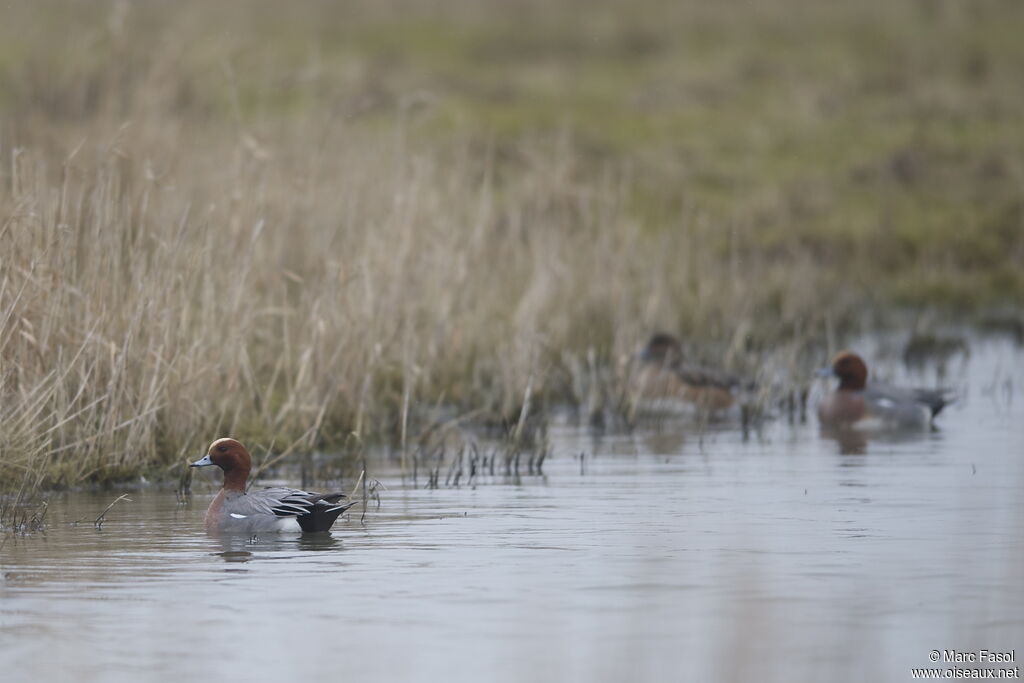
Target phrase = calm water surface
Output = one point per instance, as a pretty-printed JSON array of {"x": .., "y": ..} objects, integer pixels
[{"x": 672, "y": 556}]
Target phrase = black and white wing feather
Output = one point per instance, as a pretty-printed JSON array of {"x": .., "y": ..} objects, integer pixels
[{"x": 313, "y": 511}]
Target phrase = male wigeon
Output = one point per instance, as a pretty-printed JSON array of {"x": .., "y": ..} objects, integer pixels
[
  {"x": 858, "y": 403},
  {"x": 665, "y": 375},
  {"x": 270, "y": 509}
]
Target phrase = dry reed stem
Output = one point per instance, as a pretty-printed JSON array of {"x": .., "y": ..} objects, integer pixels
[{"x": 98, "y": 522}]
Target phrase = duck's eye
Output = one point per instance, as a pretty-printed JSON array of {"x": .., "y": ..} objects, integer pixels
[{"x": 222, "y": 449}]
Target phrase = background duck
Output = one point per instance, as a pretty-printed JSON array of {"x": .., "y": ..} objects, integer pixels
[
  {"x": 858, "y": 403},
  {"x": 664, "y": 374}
]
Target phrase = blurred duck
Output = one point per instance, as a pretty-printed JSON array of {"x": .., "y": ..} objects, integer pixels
[
  {"x": 271, "y": 509},
  {"x": 860, "y": 404},
  {"x": 664, "y": 375}
]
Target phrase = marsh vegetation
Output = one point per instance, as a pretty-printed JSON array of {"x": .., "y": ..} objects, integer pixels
[{"x": 326, "y": 226}]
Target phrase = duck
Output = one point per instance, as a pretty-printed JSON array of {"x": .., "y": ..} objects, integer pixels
[
  {"x": 270, "y": 509},
  {"x": 858, "y": 403},
  {"x": 664, "y": 374}
]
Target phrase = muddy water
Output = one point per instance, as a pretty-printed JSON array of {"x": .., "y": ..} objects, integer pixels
[{"x": 665, "y": 555}]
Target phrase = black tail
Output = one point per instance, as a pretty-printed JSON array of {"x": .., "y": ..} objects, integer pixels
[
  {"x": 326, "y": 509},
  {"x": 935, "y": 399}
]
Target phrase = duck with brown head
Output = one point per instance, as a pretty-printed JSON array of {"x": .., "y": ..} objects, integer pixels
[
  {"x": 270, "y": 509},
  {"x": 861, "y": 404}
]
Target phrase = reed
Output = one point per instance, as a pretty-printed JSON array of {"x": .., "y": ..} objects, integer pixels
[{"x": 330, "y": 223}]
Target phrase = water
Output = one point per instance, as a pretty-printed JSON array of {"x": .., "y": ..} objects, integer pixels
[{"x": 671, "y": 556}]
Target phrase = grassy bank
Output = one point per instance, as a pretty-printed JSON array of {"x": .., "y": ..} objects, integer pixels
[{"x": 288, "y": 226}]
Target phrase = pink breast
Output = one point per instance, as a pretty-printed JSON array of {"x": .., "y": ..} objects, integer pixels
[{"x": 214, "y": 512}]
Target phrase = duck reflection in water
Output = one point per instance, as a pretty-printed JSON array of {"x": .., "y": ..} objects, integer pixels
[
  {"x": 850, "y": 441},
  {"x": 235, "y": 548}
]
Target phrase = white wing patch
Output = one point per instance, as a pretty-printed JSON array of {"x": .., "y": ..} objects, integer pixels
[
  {"x": 238, "y": 516},
  {"x": 886, "y": 403}
]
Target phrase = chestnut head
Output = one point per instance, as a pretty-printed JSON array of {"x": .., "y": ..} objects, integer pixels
[
  {"x": 850, "y": 369},
  {"x": 226, "y": 454}
]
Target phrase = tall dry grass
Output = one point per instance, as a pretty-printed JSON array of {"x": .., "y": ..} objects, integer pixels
[
  {"x": 211, "y": 223},
  {"x": 155, "y": 296}
]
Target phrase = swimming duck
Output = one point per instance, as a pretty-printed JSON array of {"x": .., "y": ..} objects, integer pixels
[
  {"x": 270, "y": 509},
  {"x": 664, "y": 375},
  {"x": 858, "y": 403}
]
